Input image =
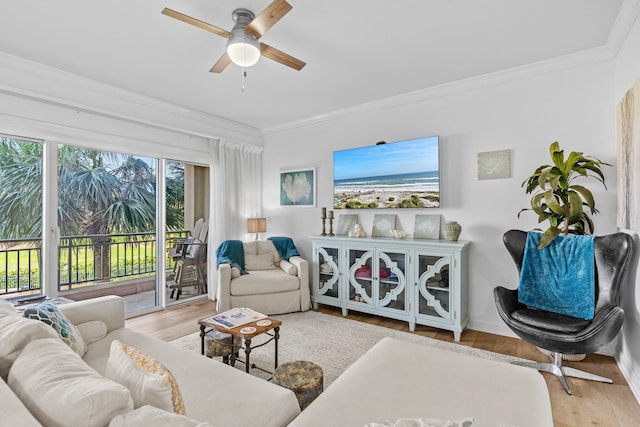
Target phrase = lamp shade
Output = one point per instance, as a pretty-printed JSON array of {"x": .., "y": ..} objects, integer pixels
[
  {"x": 243, "y": 49},
  {"x": 256, "y": 225}
]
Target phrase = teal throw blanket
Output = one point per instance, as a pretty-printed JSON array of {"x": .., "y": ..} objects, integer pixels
[
  {"x": 285, "y": 246},
  {"x": 560, "y": 277},
  {"x": 232, "y": 252}
]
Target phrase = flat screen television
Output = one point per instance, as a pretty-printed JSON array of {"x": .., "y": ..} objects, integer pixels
[{"x": 404, "y": 174}]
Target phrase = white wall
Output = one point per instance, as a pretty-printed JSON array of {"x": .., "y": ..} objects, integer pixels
[
  {"x": 626, "y": 72},
  {"x": 573, "y": 106}
]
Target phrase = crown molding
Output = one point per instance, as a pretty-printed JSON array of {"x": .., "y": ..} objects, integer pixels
[
  {"x": 28, "y": 79},
  {"x": 627, "y": 15},
  {"x": 447, "y": 89}
]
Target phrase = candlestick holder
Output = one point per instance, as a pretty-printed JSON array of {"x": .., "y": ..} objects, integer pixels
[
  {"x": 330, "y": 226},
  {"x": 324, "y": 230}
]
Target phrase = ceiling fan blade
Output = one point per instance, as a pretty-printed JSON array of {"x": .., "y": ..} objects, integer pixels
[
  {"x": 281, "y": 57},
  {"x": 268, "y": 18},
  {"x": 196, "y": 22},
  {"x": 222, "y": 63}
]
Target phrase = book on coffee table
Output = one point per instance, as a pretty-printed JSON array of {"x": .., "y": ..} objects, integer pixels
[{"x": 235, "y": 317}]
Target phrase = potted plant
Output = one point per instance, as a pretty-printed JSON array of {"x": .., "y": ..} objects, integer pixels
[{"x": 558, "y": 199}]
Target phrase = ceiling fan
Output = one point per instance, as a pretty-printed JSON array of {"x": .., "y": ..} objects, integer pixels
[{"x": 243, "y": 47}]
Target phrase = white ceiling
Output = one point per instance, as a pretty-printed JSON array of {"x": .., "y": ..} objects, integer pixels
[{"x": 357, "y": 51}]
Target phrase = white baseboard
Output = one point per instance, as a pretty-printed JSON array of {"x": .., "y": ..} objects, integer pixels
[{"x": 632, "y": 375}]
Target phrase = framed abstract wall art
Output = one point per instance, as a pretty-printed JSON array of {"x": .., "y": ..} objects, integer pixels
[
  {"x": 494, "y": 164},
  {"x": 298, "y": 187}
]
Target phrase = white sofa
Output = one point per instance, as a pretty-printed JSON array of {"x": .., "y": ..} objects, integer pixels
[
  {"x": 213, "y": 392},
  {"x": 393, "y": 380},
  {"x": 272, "y": 285}
]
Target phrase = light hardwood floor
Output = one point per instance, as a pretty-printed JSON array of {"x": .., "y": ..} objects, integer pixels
[{"x": 592, "y": 403}]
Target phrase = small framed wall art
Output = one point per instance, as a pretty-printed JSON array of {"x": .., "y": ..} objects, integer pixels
[
  {"x": 346, "y": 222},
  {"x": 298, "y": 187},
  {"x": 427, "y": 227},
  {"x": 494, "y": 164},
  {"x": 382, "y": 225}
]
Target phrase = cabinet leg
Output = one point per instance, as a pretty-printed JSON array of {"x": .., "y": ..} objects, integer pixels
[
  {"x": 345, "y": 311},
  {"x": 412, "y": 326},
  {"x": 456, "y": 335}
]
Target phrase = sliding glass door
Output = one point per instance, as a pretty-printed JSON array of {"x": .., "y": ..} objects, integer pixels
[
  {"x": 20, "y": 217},
  {"x": 107, "y": 223},
  {"x": 187, "y": 228},
  {"x": 114, "y": 224}
]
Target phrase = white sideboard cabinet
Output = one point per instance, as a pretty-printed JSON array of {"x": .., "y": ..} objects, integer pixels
[{"x": 416, "y": 280}]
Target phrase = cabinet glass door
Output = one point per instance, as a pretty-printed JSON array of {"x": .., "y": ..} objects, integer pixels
[
  {"x": 361, "y": 276},
  {"x": 329, "y": 272},
  {"x": 434, "y": 292},
  {"x": 392, "y": 281}
]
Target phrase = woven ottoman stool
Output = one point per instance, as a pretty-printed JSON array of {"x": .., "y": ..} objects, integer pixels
[
  {"x": 303, "y": 378},
  {"x": 218, "y": 344}
]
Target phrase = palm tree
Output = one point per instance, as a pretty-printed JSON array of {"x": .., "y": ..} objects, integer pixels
[
  {"x": 99, "y": 194},
  {"x": 20, "y": 189}
]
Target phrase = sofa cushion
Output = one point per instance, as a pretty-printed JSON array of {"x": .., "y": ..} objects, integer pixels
[
  {"x": 264, "y": 282},
  {"x": 267, "y": 246},
  {"x": 15, "y": 333},
  {"x": 92, "y": 331},
  {"x": 209, "y": 388},
  {"x": 6, "y": 309},
  {"x": 235, "y": 272},
  {"x": 149, "y": 382},
  {"x": 148, "y": 415},
  {"x": 49, "y": 313},
  {"x": 14, "y": 413},
  {"x": 259, "y": 262},
  {"x": 48, "y": 373}
]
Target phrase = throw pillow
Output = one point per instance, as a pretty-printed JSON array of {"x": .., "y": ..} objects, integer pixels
[
  {"x": 288, "y": 268},
  {"x": 92, "y": 331},
  {"x": 267, "y": 246},
  {"x": 147, "y": 415},
  {"x": 250, "y": 248},
  {"x": 15, "y": 333},
  {"x": 48, "y": 313},
  {"x": 149, "y": 382},
  {"x": 259, "y": 262},
  {"x": 60, "y": 389}
]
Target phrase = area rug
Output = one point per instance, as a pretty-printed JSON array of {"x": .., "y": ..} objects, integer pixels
[{"x": 331, "y": 342}]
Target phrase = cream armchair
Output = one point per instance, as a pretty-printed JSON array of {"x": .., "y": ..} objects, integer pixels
[{"x": 272, "y": 286}]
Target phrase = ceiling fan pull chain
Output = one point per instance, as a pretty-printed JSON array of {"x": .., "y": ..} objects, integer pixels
[{"x": 244, "y": 76}]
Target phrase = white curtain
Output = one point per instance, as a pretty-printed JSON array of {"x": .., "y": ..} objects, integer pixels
[{"x": 236, "y": 194}]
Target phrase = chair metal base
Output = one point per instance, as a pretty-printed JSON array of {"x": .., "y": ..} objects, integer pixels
[{"x": 562, "y": 372}]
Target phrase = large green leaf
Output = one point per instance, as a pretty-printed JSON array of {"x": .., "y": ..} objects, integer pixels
[
  {"x": 575, "y": 207},
  {"x": 571, "y": 161},
  {"x": 548, "y": 236},
  {"x": 552, "y": 202},
  {"x": 586, "y": 194}
]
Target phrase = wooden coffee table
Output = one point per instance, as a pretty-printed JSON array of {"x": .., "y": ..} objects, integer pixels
[{"x": 272, "y": 330}]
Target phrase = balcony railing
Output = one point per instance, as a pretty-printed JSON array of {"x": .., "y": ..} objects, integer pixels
[{"x": 83, "y": 260}]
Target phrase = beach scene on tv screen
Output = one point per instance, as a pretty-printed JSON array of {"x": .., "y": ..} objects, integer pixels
[{"x": 394, "y": 175}]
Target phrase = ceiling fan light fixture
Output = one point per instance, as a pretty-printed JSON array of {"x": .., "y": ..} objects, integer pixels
[{"x": 243, "y": 49}]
